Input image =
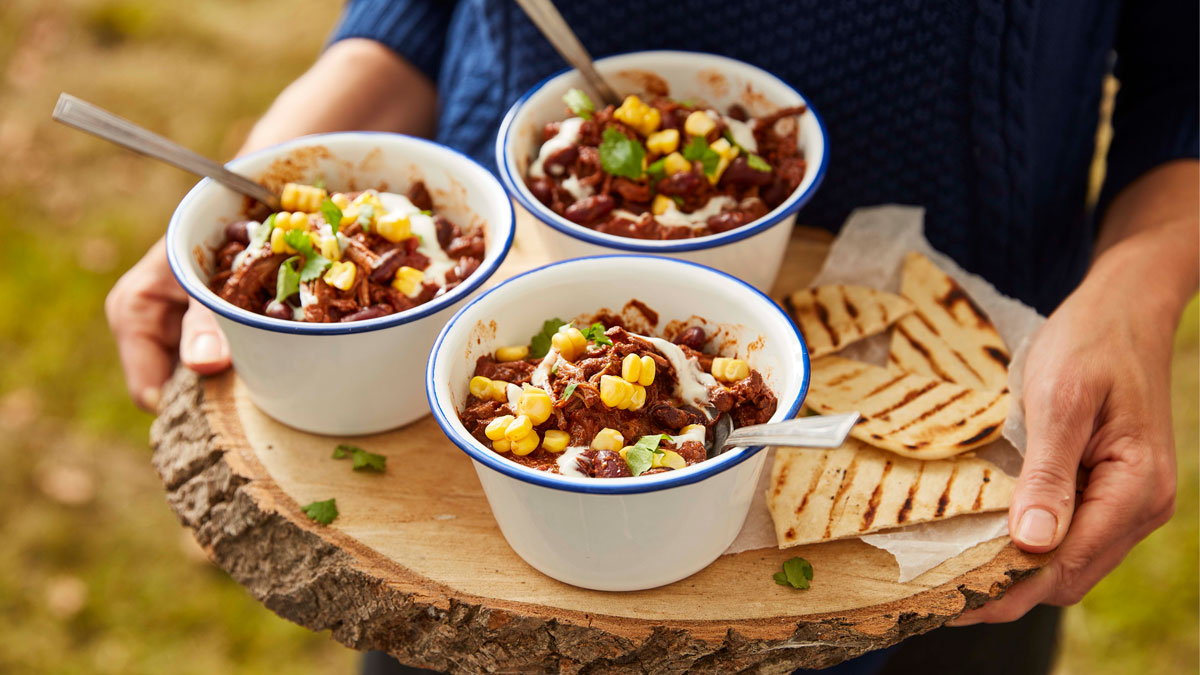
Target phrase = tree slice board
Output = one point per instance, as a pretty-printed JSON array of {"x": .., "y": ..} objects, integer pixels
[{"x": 414, "y": 565}]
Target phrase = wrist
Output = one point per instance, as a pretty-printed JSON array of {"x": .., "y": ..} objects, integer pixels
[{"x": 1147, "y": 275}]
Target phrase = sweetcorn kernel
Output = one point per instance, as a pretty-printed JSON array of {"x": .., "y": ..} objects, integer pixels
[
  {"x": 519, "y": 428},
  {"x": 499, "y": 391},
  {"x": 495, "y": 429},
  {"x": 614, "y": 391},
  {"x": 285, "y": 220},
  {"x": 501, "y": 446},
  {"x": 394, "y": 229},
  {"x": 535, "y": 403},
  {"x": 730, "y": 370},
  {"x": 297, "y": 197},
  {"x": 698, "y": 124},
  {"x": 525, "y": 445},
  {"x": 637, "y": 399},
  {"x": 408, "y": 281},
  {"x": 555, "y": 441},
  {"x": 278, "y": 245},
  {"x": 726, "y": 152},
  {"x": 676, "y": 163},
  {"x": 340, "y": 200},
  {"x": 661, "y": 204},
  {"x": 513, "y": 353},
  {"x": 341, "y": 275},
  {"x": 671, "y": 460},
  {"x": 663, "y": 142},
  {"x": 649, "y": 368},
  {"x": 328, "y": 247},
  {"x": 608, "y": 439},
  {"x": 631, "y": 368},
  {"x": 569, "y": 342},
  {"x": 638, "y": 115},
  {"x": 480, "y": 387}
]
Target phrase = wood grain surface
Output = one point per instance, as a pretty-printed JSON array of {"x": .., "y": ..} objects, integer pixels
[{"x": 415, "y": 565}]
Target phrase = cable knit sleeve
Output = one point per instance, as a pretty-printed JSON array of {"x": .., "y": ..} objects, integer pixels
[
  {"x": 1156, "y": 115},
  {"x": 414, "y": 29}
]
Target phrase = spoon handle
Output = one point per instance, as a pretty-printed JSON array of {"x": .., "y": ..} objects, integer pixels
[
  {"x": 80, "y": 114},
  {"x": 546, "y": 17},
  {"x": 822, "y": 431}
]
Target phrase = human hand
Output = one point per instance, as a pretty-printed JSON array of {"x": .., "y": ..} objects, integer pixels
[
  {"x": 155, "y": 324},
  {"x": 1097, "y": 410}
]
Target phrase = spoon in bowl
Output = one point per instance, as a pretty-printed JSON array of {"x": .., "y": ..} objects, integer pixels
[
  {"x": 77, "y": 113},
  {"x": 818, "y": 431},
  {"x": 546, "y": 17}
]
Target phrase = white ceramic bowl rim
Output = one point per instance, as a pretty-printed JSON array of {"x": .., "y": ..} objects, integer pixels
[
  {"x": 605, "y": 486},
  {"x": 516, "y": 186},
  {"x": 208, "y": 298}
]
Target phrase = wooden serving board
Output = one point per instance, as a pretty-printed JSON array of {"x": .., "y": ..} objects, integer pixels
[{"x": 415, "y": 565}]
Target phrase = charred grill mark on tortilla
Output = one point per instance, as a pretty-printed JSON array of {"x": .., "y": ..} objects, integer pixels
[
  {"x": 876, "y": 495},
  {"x": 998, "y": 355},
  {"x": 823, "y": 317},
  {"x": 905, "y": 400},
  {"x": 885, "y": 385},
  {"x": 928, "y": 324},
  {"x": 956, "y": 295},
  {"x": 850, "y": 308},
  {"x": 944, "y": 499},
  {"x": 987, "y": 477},
  {"x": 813, "y": 482},
  {"x": 845, "y": 377},
  {"x": 932, "y": 411},
  {"x": 847, "y": 480},
  {"x": 983, "y": 433},
  {"x": 906, "y": 508}
]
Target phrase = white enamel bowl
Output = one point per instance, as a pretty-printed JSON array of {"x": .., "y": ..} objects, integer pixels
[
  {"x": 340, "y": 378},
  {"x": 753, "y": 252},
  {"x": 619, "y": 534}
]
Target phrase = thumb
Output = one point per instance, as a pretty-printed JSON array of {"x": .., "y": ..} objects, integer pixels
[
  {"x": 1059, "y": 414},
  {"x": 202, "y": 346}
]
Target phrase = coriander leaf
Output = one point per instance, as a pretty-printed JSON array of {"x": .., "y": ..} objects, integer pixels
[
  {"x": 540, "y": 344},
  {"x": 569, "y": 390},
  {"x": 678, "y": 201},
  {"x": 579, "y": 103},
  {"x": 332, "y": 214},
  {"x": 658, "y": 169},
  {"x": 639, "y": 459},
  {"x": 781, "y": 579},
  {"x": 426, "y": 212},
  {"x": 595, "y": 333},
  {"x": 319, "y": 183},
  {"x": 797, "y": 572},
  {"x": 689, "y": 102},
  {"x": 362, "y": 460},
  {"x": 757, "y": 163},
  {"x": 620, "y": 155},
  {"x": 343, "y": 451},
  {"x": 287, "y": 281},
  {"x": 263, "y": 233},
  {"x": 321, "y": 512},
  {"x": 554, "y": 368},
  {"x": 698, "y": 150},
  {"x": 314, "y": 263}
]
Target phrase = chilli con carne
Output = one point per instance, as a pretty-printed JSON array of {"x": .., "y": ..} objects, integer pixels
[
  {"x": 604, "y": 402},
  {"x": 343, "y": 257},
  {"x": 666, "y": 169}
]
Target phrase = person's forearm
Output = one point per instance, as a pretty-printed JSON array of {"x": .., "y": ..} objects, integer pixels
[
  {"x": 355, "y": 85},
  {"x": 1149, "y": 243}
]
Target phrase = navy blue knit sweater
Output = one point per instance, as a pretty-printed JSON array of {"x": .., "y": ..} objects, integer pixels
[{"x": 982, "y": 111}]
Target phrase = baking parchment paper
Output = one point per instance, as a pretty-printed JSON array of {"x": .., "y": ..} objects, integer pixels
[{"x": 870, "y": 251}]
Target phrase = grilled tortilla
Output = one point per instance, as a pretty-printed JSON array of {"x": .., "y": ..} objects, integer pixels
[
  {"x": 912, "y": 415},
  {"x": 947, "y": 336},
  {"x": 819, "y": 495},
  {"x": 831, "y": 317}
]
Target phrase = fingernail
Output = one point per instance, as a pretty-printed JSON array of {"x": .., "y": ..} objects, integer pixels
[
  {"x": 150, "y": 398},
  {"x": 204, "y": 348},
  {"x": 1037, "y": 527}
]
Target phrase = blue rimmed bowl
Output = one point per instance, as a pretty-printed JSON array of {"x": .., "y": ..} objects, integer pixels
[
  {"x": 753, "y": 252},
  {"x": 619, "y": 534},
  {"x": 340, "y": 378}
]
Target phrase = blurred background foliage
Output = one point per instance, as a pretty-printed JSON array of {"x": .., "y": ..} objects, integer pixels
[{"x": 95, "y": 573}]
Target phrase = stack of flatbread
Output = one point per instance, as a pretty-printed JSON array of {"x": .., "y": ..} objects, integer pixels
[{"x": 943, "y": 393}]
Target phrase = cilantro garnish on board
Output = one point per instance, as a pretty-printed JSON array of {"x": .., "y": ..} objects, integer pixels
[
  {"x": 796, "y": 573},
  {"x": 595, "y": 333},
  {"x": 698, "y": 151},
  {"x": 540, "y": 344},
  {"x": 332, "y": 214},
  {"x": 640, "y": 455},
  {"x": 579, "y": 103},
  {"x": 620, "y": 155},
  {"x": 360, "y": 459},
  {"x": 321, "y": 512},
  {"x": 287, "y": 281},
  {"x": 314, "y": 263}
]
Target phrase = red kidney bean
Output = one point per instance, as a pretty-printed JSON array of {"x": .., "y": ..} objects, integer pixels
[
  {"x": 372, "y": 312},
  {"x": 737, "y": 112},
  {"x": 471, "y": 245},
  {"x": 774, "y": 194},
  {"x": 673, "y": 418},
  {"x": 681, "y": 184},
  {"x": 557, "y": 163},
  {"x": 741, "y": 176},
  {"x": 693, "y": 337},
  {"x": 237, "y": 232},
  {"x": 278, "y": 310},
  {"x": 446, "y": 231},
  {"x": 386, "y": 266},
  {"x": 609, "y": 464},
  {"x": 589, "y": 209},
  {"x": 418, "y": 194},
  {"x": 543, "y": 189},
  {"x": 727, "y": 220},
  {"x": 631, "y": 191}
]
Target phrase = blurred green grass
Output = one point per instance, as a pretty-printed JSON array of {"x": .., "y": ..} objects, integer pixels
[{"x": 98, "y": 575}]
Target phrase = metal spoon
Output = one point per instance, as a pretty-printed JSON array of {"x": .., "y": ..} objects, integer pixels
[
  {"x": 820, "y": 431},
  {"x": 545, "y": 16},
  {"x": 75, "y": 112}
]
